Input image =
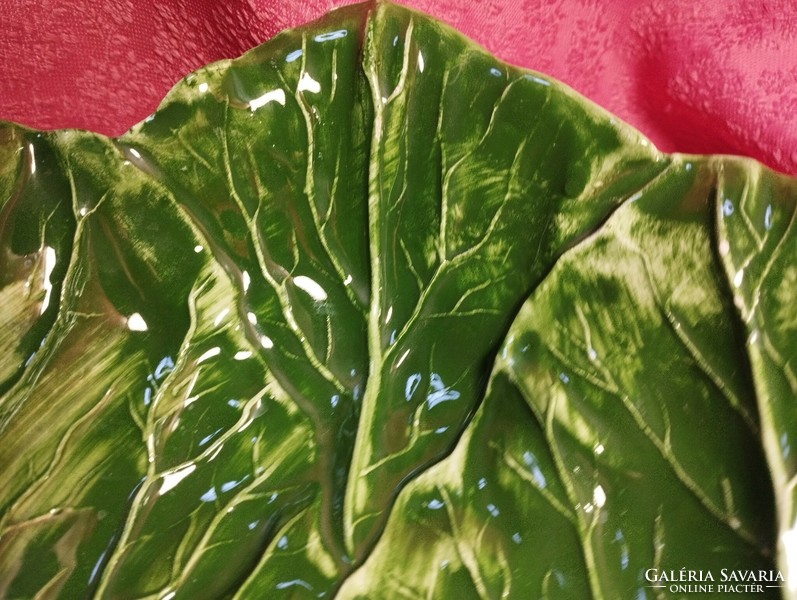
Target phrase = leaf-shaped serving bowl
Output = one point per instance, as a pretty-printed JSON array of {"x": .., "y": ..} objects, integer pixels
[{"x": 367, "y": 313}]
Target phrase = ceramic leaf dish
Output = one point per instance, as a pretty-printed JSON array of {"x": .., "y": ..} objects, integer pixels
[{"x": 367, "y": 313}]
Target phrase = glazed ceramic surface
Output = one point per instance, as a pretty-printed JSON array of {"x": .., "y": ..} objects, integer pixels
[{"x": 367, "y": 313}]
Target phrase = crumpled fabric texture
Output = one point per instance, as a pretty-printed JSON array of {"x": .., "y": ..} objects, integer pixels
[{"x": 694, "y": 76}]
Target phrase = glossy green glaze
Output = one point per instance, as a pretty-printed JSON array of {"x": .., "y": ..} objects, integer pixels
[{"x": 367, "y": 313}]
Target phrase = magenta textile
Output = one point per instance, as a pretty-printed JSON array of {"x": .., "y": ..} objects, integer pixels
[{"x": 702, "y": 76}]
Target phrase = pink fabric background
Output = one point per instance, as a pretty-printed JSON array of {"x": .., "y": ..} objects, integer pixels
[{"x": 694, "y": 75}]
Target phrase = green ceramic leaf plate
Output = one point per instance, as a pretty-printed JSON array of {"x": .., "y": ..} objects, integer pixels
[{"x": 367, "y": 313}]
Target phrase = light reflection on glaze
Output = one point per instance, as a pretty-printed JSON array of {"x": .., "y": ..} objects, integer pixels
[
  {"x": 31, "y": 159},
  {"x": 97, "y": 569},
  {"x": 49, "y": 265},
  {"x": 311, "y": 287},
  {"x": 402, "y": 359},
  {"x": 308, "y": 84},
  {"x": 292, "y": 56},
  {"x": 332, "y": 35},
  {"x": 209, "y": 437},
  {"x": 560, "y": 578},
  {"x": 294, "y": 582},
  {"x": 165, "y": 366},
  {"x": 170, "y": 480},
  {"x": 439, "y": 392},
  {"x": 536, "y": 472},
  {"x": 215, "y": 351},
  {"x": 538, "y": 80},
  {"x": 413, "y": 381},
  {"x": 136, "y": 322},
  {"x": 277, "y": 96},
  {"x": 231, "y": 485},
  {"x": 599, "y": 496},
  {"x": 624, "y": 555}
]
